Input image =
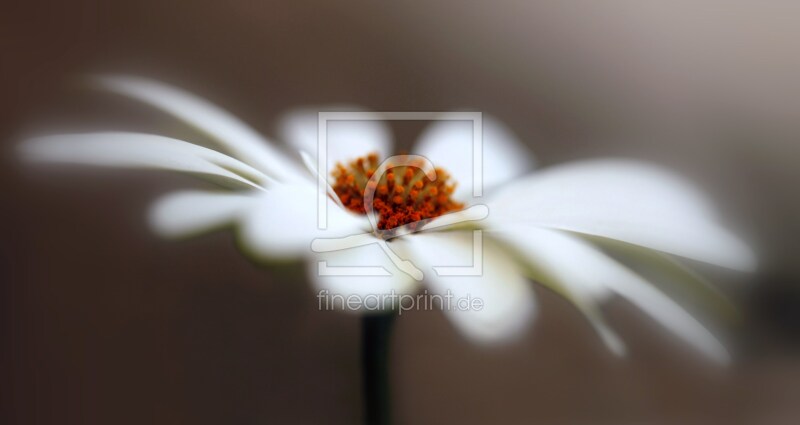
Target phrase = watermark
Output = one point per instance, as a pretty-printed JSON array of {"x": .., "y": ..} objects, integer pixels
[
  {"x": 401, "y": 302},
  {"x": 381, "y": 238}
]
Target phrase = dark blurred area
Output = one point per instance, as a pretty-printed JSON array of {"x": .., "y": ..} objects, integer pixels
[{"x": 102, "y": 322}]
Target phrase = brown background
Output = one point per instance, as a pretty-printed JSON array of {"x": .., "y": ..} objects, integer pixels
[{"x": 104, "y": 323}]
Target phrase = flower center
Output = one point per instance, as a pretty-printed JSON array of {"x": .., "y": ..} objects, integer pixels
[{"x": 403, "y": 194}]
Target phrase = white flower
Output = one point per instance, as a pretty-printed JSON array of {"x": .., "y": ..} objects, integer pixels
[{"x": 543, "y": 226}]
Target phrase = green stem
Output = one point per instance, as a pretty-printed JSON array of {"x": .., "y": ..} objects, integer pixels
[{"x": 375, "y": 334}]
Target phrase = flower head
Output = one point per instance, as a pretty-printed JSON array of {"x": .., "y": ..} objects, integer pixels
[{"x": 545, "y": 226}]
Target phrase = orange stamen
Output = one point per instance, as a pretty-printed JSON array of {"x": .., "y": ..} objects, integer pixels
[{"x": 397, "y": 202}]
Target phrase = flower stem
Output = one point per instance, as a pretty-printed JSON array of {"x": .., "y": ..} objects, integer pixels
[{"x": 375, "y": 334}]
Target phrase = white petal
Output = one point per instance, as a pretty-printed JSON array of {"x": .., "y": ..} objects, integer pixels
[
  {"x": 554, "y": 263},
  {"x": 186, "y": 213},
  {"x": 283, "y": 223},
  {"x": 322, "y": 181},
  {"x": 623, "y": 200},
  {"x": 346, "y": 139},
  {"x": 671, "y": 270},
  {"x": 508, "y": 303},
  {"x": 364, "y": 273},
  {"x": 134, "y": 150},
  {"x": 556, "y": 255},
  {"x": 576, "y": 263},
  {"x": 668, "y": 313},
  {"x": 231, "y": 133},
  {"x": 449, "y": 144},
  {"x": 462, "y": 219}
]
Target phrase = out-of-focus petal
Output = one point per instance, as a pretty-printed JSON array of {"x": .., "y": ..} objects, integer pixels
[
  {"x": 322, "y": 181},
  {"x": 363, "y": 272},
  {"x": 583, "y": 268},
  {"x": 624, "y": 200},
  {"x": 507, "y": 299},
  {"x": 283, "y": 223},
  {"x": 135, "y": 150},
  {"x": 236, "y": 137},
  {"x": 449, "y": 145},
  {"x": 552, "y": 261},
  {"x": 187, "y": 213},
  {"x": 670, "y": 270},
  {"x": 347, "y": 139}
]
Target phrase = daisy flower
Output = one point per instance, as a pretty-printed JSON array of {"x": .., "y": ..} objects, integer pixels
[{"x": 545, "y": 226}]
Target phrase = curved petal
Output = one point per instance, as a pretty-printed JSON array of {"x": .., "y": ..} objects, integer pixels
[
  {"x": 135, "y": 150},
  {"x": 624, "y": 200},
  {"x": 468, "y": 218},
  {"x": 322, "y": 181},
  {"x": 506, "y": 297},
  {"x": 187, "y": 213},
  {"x": 672, "y": 271},
  {"x": 283, "y": 222},
  {"x": 347, "y": 139},
  {"x": 584, "y": 269},
  {"x": 230, "y": 132},
  {"x": 553, "y": 263},
  {"x": 448, "y": 144},
  {"x": 362, "y": 274}
]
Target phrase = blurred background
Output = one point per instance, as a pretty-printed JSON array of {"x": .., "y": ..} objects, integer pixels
[{"x": 102, "y": 322}]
